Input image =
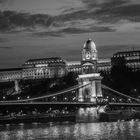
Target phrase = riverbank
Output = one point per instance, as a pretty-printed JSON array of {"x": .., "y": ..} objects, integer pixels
[
  {"x": 40, "y": 118},
  {"x": 119, "y": 115},
  {"x": 108, "y": 116}
]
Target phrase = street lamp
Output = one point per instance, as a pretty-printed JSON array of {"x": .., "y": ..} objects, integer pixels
[{"x": 3, "y": 97}]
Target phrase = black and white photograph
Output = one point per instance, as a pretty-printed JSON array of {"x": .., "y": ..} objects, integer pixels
[{"x": 69, "y": 69}]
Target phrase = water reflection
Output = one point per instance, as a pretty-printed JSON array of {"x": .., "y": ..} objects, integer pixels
[
  {"x": 97, "y": 131},
  {"x": 88, "y": 114}
]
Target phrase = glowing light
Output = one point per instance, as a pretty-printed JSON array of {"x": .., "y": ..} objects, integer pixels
[
  {"x": 89, "y": 75},
  {"x": 18, "y": 98},
  {"x": 135, "y": 89},
  {"x": 93, "y": 99},
  {"x": 81, "y": 111},
  {"x": 3, "y": 97},
  {"x": 74, "y": 98},
  {"x": 73, "y": 63},
  {"x": 28, "y": 97},
  {"x": 101, "y": 109},
  {"x": 42, "y": 65},
  {"x": 113, "y": 99},
  {"x": 87, "y": 109}
]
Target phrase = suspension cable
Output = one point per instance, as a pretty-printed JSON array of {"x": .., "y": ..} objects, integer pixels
[
  {"x": 49, "y": 95},
  {"x": 117, "y": 92}
]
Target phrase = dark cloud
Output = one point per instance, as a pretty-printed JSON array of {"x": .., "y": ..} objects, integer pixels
[
  {"x": 71, "y": 30},
  {"x": 102, "y": 11},
  {"x": 101, "y": 29},
  {"x": 3, "y": 1},
  {"x": 91, "y": 29},
  {"x": 73, "y": 15},
  {"x": 74, "y": 30},
  {"x": 10, "y": 20},
  {"x": 61, "y": 32},
  {"x": 45, "y": 34},
  {"x": 105, "y": 11},
  {"x": 6, "y": 48},
  {"x": 115, "y": 12}
]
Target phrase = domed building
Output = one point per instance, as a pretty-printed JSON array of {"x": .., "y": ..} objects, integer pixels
[
  {"x": 58, "y": 67},
  {"x": 89, "y": 61},
  {"x": 89, "y": 52},
  {"x": 89, "y": 57}
]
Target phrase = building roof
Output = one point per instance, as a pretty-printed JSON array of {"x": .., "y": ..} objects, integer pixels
[
  {"x": 52, "y": 61},
  {"x": 127, "y": 52},
  {"x": 44, "y": 59},
  {"x": 10, "y": 69}
]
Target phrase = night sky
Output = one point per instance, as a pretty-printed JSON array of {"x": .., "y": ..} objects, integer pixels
[{"x": 47, "y": 28}]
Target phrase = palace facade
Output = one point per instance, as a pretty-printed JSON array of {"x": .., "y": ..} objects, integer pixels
[
  {"x": 57, "y": 67},
  {"x": 131, "y": 59}
]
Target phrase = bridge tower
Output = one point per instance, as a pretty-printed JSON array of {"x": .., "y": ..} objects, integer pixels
[{"x": 92, "y": 91}]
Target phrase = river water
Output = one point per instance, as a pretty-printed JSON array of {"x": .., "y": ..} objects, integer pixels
[{"x": 72, "y": 131}]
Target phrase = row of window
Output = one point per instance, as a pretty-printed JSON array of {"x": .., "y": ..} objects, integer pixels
[
  {"x": 133, "y": 58},
  {"x": 44, "y": 62},
  {"x": 127, "y": 54},
  {"x": 134, "y": 65},
  {"x": 31, "y": 73}
]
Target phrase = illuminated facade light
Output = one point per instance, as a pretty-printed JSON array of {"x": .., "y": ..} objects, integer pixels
[
  {"x": 42, "y": 65},
  {"x": 89, "y": 75}
]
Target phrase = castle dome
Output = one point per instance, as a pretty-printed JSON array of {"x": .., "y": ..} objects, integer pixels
[{"x": 90, "y": 45}]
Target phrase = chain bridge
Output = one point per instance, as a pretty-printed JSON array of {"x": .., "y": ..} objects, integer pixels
[
  {"x": 71, "y": 96},
  {"x": 89, "y": 92}
]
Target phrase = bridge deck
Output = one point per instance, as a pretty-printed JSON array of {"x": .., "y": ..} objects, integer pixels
[
  {"x": 49, "y": 103},
  {"x": 68, "y": 103}
]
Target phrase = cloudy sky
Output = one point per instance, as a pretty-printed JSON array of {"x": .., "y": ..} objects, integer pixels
[{"x": 47, "y": 28}]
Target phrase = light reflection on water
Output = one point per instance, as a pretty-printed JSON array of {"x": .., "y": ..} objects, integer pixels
[{"x": 71, "y": 131}]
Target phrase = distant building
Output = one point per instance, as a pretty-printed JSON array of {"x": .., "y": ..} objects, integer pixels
[
  {"x": 10, "y": 74},
  {"x": 44, "y": 68},
  {"x": 89, "y": 57},
  {"x": 131, "y": 59},
  {"x": 104, "y": 65},
  {"x": 74, "y": 66},
  {"x": 57, "y": 67},
  {"x": 35, "y": 69}
]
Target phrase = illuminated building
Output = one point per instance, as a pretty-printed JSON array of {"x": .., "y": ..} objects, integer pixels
[
  {"x": 89, "y": 74},
  {"x": 57, "y": 67},
  {"x": 10, "y": 74},
  {"x": 44, "y": 68},
  {"x": 104, "y": 65},
  {"x": 131, "y": 59},
  {"x": 35, "y": 69}
]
